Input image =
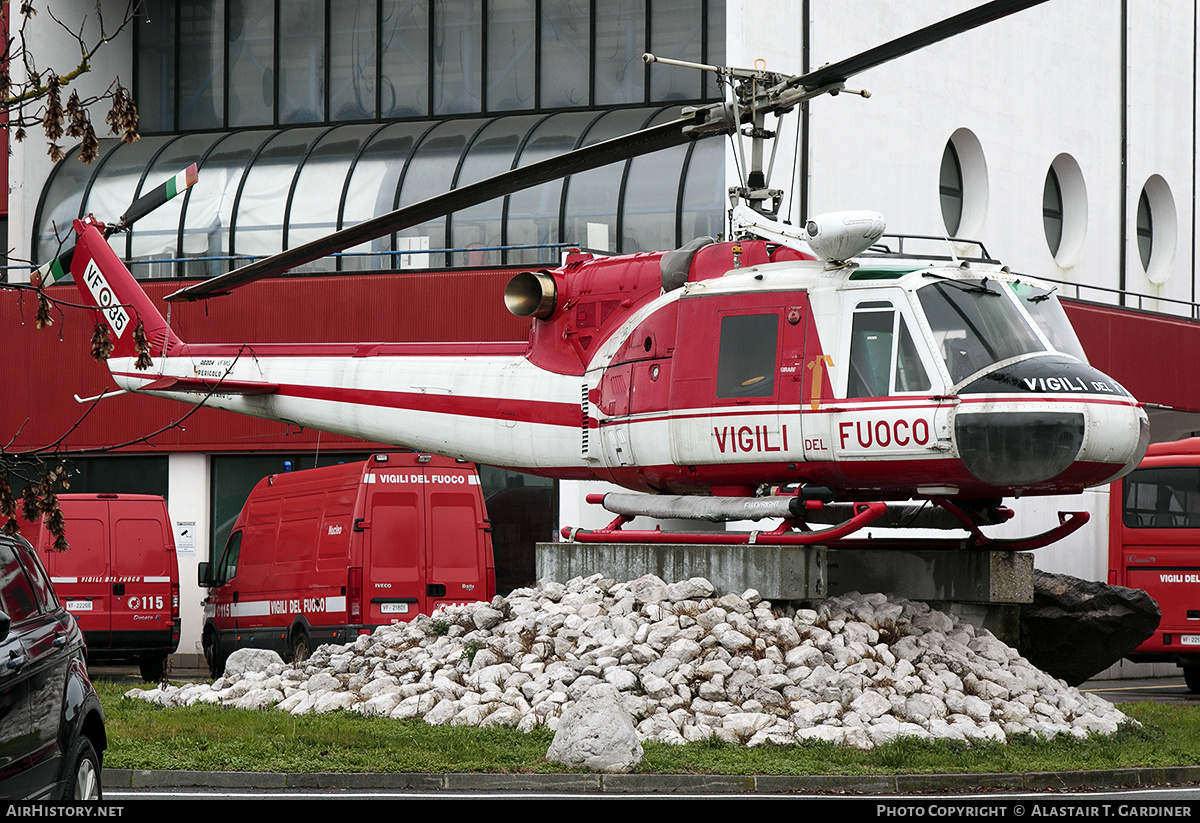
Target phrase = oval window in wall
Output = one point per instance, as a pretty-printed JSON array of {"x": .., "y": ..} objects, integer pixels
[
  {"x": 963, "y": 186},
  {"x": 1064, "y": 210},
  {"x": 951, "y": 191},
  {"x": 1156, "y": 229}
]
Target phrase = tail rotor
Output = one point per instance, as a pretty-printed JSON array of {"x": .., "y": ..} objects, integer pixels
[
  {"x": 129, "y": 324},
  {"x": 49, "y": 273}
]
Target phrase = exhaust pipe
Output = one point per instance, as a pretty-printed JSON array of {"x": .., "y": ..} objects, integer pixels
[{"x": 531, "y": 294}]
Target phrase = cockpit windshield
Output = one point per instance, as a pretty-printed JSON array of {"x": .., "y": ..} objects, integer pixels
[
  {"x": 1048, "y": 313},
  {"x": 975, "y": 324}
]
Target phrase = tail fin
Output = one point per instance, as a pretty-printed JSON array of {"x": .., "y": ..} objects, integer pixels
[{"x": 106, "y": 284}]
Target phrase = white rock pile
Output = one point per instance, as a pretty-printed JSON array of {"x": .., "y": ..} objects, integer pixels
[{"x": 857, "y": 670}]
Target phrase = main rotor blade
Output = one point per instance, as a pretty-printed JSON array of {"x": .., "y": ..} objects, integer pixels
[
  {"x": 648, "y": 140},
  {"x": 48, "y": 273},
  {"x": 843, "y": 70}
]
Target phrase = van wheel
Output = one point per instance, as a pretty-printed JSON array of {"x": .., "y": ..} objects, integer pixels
[
  {"x": 152, "y": 668},
  {"x": 83, "y": 775},
  {"x": 1191, "y": 676},
  {"x": 299, "y": 647},
  {"x": 212, "y": 654}
]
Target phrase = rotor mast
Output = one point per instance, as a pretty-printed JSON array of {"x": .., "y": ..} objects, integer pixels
[{"x": 753, "y": 94}]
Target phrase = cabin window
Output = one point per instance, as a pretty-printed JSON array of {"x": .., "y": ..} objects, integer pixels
[
  {"x": 746, "y": 363},
  {"x": 1163, "y": 498},
  {"x": 884, "y": 358}
]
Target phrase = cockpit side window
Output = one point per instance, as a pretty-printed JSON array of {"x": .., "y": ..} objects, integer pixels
[
  {"x": 229, "y": 558},
  {"x": 746, "y": 363},
  {"x": 870, "y": 353},
  {"x": 1048, "y": 313},
  {"x": 910, "y": 371},
  {"x": 884, "y": 358}
]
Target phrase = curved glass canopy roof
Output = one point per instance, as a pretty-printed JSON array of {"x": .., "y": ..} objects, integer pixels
[{"x": 262, "y": 191}]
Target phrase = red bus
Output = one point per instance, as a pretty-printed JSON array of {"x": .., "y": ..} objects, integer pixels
[{"x": 1154, "y": 545}]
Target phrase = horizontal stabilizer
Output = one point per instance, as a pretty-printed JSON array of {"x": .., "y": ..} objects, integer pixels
[{"x": 200, "y": 385}]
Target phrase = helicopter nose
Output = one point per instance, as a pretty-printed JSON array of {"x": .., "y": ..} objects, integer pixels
[
  {"x": 1018, "y": 449},
  {"x": 1063, "y": 424}
]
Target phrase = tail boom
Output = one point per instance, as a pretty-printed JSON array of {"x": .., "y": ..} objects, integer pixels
[
  {"x": 480, "y": 401},
  {"x": 494, "y": 409}
]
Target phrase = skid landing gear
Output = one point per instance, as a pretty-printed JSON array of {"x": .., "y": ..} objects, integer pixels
[{"x": 798, "y": 515}]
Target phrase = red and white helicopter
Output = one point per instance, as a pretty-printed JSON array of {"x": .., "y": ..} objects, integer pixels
[{"x": 860, "y": 386}]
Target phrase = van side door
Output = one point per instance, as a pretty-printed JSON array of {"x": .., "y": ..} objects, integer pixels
[{"x": 142, "y": 554}]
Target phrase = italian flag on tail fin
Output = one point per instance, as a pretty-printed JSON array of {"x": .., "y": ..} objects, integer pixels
[{"x": 159, "y": 195}]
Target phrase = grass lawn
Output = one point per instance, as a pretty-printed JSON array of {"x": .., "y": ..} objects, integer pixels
[{"x": 145, "y": 736}]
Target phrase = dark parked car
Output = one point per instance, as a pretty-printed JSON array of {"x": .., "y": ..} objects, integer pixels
[{"x": 51, "y": 724}]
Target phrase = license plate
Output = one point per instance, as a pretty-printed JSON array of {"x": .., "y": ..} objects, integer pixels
[
  {"x": 79, "y": 605},
  {"x": 1189, "y": 639},
  {"x": 393, "y": 608}
]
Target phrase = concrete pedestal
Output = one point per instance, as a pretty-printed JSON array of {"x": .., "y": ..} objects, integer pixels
[
  {"x": 984, "y": 588},
  {"x": 777, "y": 572}
]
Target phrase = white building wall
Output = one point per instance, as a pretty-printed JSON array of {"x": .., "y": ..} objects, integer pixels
[
  {"x": 57, "y": 49},
  {"x": 1027, "y": 88},
  {"x": 767, "y": 34},
  {"x": 190, "y": 506},
  {"x": 1161, "y": 130},
  {"x": 1042, "y": 83}
]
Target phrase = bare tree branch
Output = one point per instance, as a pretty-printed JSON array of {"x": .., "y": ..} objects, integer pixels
[{"x": 37, "y": 101}]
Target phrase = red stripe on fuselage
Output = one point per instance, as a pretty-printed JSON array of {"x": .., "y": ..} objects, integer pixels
[
  {"x": 538, "y": 412},
  {"x": 311, "y": 350}
]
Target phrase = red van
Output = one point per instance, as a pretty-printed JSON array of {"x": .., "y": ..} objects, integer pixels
[
  {"x": 323, "y": 555},
  {"x": 120, "y": 577}
]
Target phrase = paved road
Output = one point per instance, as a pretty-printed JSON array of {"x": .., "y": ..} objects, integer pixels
[{"x": 1154, "y": 689}]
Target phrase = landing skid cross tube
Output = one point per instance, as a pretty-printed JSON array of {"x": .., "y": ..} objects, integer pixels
[{"x": 794, "y": 529}]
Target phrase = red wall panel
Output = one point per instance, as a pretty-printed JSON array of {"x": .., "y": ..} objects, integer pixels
[
  {"x": 1154, "y": 356},
  {"x": 45, "y": 368}
]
